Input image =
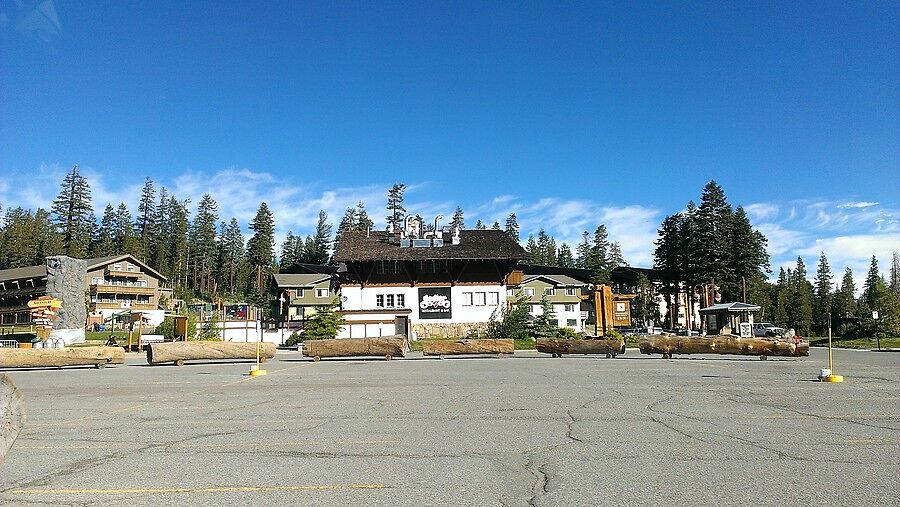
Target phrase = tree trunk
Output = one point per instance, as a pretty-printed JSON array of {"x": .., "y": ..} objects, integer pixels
[
  {"x": 72, "y": 356},
  {"x": 387, "y": 347},
  {"x": 177, "y": 352},
  {"x": 457, "y": 347},
  {"x": 559, "y": 346},
  {"x": 12, "y": 414},
  {"x": 668, "y": 345}
]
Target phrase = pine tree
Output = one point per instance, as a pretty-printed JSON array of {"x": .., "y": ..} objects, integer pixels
[
  {"x": 800, "y": 302},
  {"x": 309, "y": 248},
  {"x": 496, "y": 226},
  {"x": 746, "y": 257},
  {"x": 512, "y": 227},
  {"x": 145, "y": 225},
  {"x": 231, "y": 255},
  {"x": 348, "y": 223},
  {"x": 534, "y": 253},
  {"x": 544, "y": 324},
  {"x": 783, "y": 294},
  {"x": 871, "y": 283},
  {"x": 325, "y": 324},
  {"x": 47, "y": 241},
  {"x": 395, "y": 206},
  {"x": 598, "y": 256},
  {"x": 844, "y": 303},
  {"x": 458, "y": 219},
  {"x": 73, "y": 214},
  {"x": 203, "y": 248},
  {"x": 564, "y": 258},
  {"x": 124, "y": 237},
  {"x": 159, "y": 250},
  {"x": 583, "y": 251},
  {"x": 895, "y": 274},
  {"x": 289, "y": 255},
  {"x": 823, "y": 295},
  {"x": 479, "y": 226},
  {"x": 178, "y": 253},
  {"x": 713, "y": 218},
  {"x": 18, "y": 248},
  {"x": 363, "y": 222},
  {"x": 667, "y": 260},
  {"x": 261, "y": 247},
  {"x": 545, "y": 249},
  {"x": 614, "y": 257},
  {"x": 322, "y": 241},
  {"x": 105, "y": 244}
]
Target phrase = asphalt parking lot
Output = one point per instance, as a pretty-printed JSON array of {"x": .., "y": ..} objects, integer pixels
[{"x": 528, "y": 429}]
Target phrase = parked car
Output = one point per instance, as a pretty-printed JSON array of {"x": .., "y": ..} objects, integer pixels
[{"x": 766, "y": 329}]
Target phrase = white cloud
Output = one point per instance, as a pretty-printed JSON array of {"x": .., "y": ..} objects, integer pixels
[
  {"x": 761, "y": 211},
  {"x": 858, "y": 204}
]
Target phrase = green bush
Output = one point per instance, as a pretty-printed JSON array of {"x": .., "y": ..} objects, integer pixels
[
  {"x": 324, "y": 324},
  {"x": 294, "y": 339},
  {"x": 612, "y": 334},
  {"x": 210, "y": 330},
  {"x": 510, "y": 320},
  {"x": 568, "y": 333}
]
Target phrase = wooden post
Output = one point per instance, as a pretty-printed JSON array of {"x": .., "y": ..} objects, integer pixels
[{"x": 140, "y": 330}]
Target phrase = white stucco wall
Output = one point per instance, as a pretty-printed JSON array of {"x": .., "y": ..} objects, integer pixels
[{"x": 356, "y": 298}]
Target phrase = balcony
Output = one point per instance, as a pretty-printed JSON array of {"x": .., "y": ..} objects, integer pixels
[
  {"x": 110, "y": 271},
  {"x": 122, "y": 289},
  {"x": 118, "y": 305}
]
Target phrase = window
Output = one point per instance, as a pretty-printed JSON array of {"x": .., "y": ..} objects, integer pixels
[
  {"x": 554, "y": 322},
  {"x": 549, "y": 291},
  {"x": 299, "y": 293},
  {"x": 534, "y": 308},
  {"x": 529, "y": 291},
  {"x": 480, "y": 299},
  {"x": 401, "y": 301},
  {"x": 570, "y": 291},
  {"x": 129, "y": 267},
  {"x": 142, "y": 283},
  {"x": 389, "y": 300},
  {"x": 493, "y": 298},
  {"x": 96, "y": 280},
  {"x": 568, "y": 308},
  {"x": 467, "y": 299},
  {"x": 571, "y": 323},
  {"x": 321, "y": 293},
  {"x": 510, "y": 293},
  {"x": 117, "y": 267},
  {"x": 379, "y": 301}
]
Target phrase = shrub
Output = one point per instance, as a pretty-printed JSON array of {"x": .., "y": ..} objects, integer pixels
[
  {"x": 324, "y": 324},
  {"x": 510, "y": 320},
  {"x": 612, "y": 334},
  {"x": 568, "y": 333},
  {"x": 294, "y": 339},
  {"x": 210, "y": 331}
]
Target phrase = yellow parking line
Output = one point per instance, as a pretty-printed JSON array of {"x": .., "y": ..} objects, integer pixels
[{"x": 221, "y": 489}]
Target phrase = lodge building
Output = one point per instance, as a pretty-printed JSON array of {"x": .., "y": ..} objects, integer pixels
[{"x": 424, "y": 284}]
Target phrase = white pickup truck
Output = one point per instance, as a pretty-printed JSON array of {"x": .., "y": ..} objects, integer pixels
[{"x": 766, "y": 329}]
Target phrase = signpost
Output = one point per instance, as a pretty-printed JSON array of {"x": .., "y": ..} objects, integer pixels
[
  {"x": 43, "y": 313},
  {"x": 826, "y": 374}
]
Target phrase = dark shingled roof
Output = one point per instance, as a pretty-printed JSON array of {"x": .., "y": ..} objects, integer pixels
[{"x": 486, "y": 244}]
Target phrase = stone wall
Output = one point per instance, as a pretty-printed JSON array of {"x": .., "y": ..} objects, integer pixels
[
  {"x": 67, "y": 281},
  {"x": 424, "y": 331}
]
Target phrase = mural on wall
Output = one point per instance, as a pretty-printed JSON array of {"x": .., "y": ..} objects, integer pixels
[{"x": 434, "y": 303}]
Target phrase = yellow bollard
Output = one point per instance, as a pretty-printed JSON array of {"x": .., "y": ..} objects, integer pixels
[
  {"x": 255, "y": 371},
  {"x": 828, "y": 376}
]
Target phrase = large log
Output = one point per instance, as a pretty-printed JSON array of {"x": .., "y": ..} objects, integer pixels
[
  {"x": 12, "y": 414},
  {"x": 70, "y": 356},
  {"x": 723, "y": 344},
  {"x": 457, "y": 347},
  {"x": 179, "y": 352},
  {"x": 348, "y": 347},
  {"x": 559, "y": 346}
]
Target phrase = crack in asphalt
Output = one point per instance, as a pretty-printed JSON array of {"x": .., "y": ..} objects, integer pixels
[{"x": 542, "y": 476}]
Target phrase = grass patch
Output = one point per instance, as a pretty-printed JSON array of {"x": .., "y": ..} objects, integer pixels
[
  {"x": 856, "y": 343},
  {"x": 523, "y": 344}
]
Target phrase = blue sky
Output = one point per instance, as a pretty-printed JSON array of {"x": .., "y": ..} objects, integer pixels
[{"x": 568, "y": 115}]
